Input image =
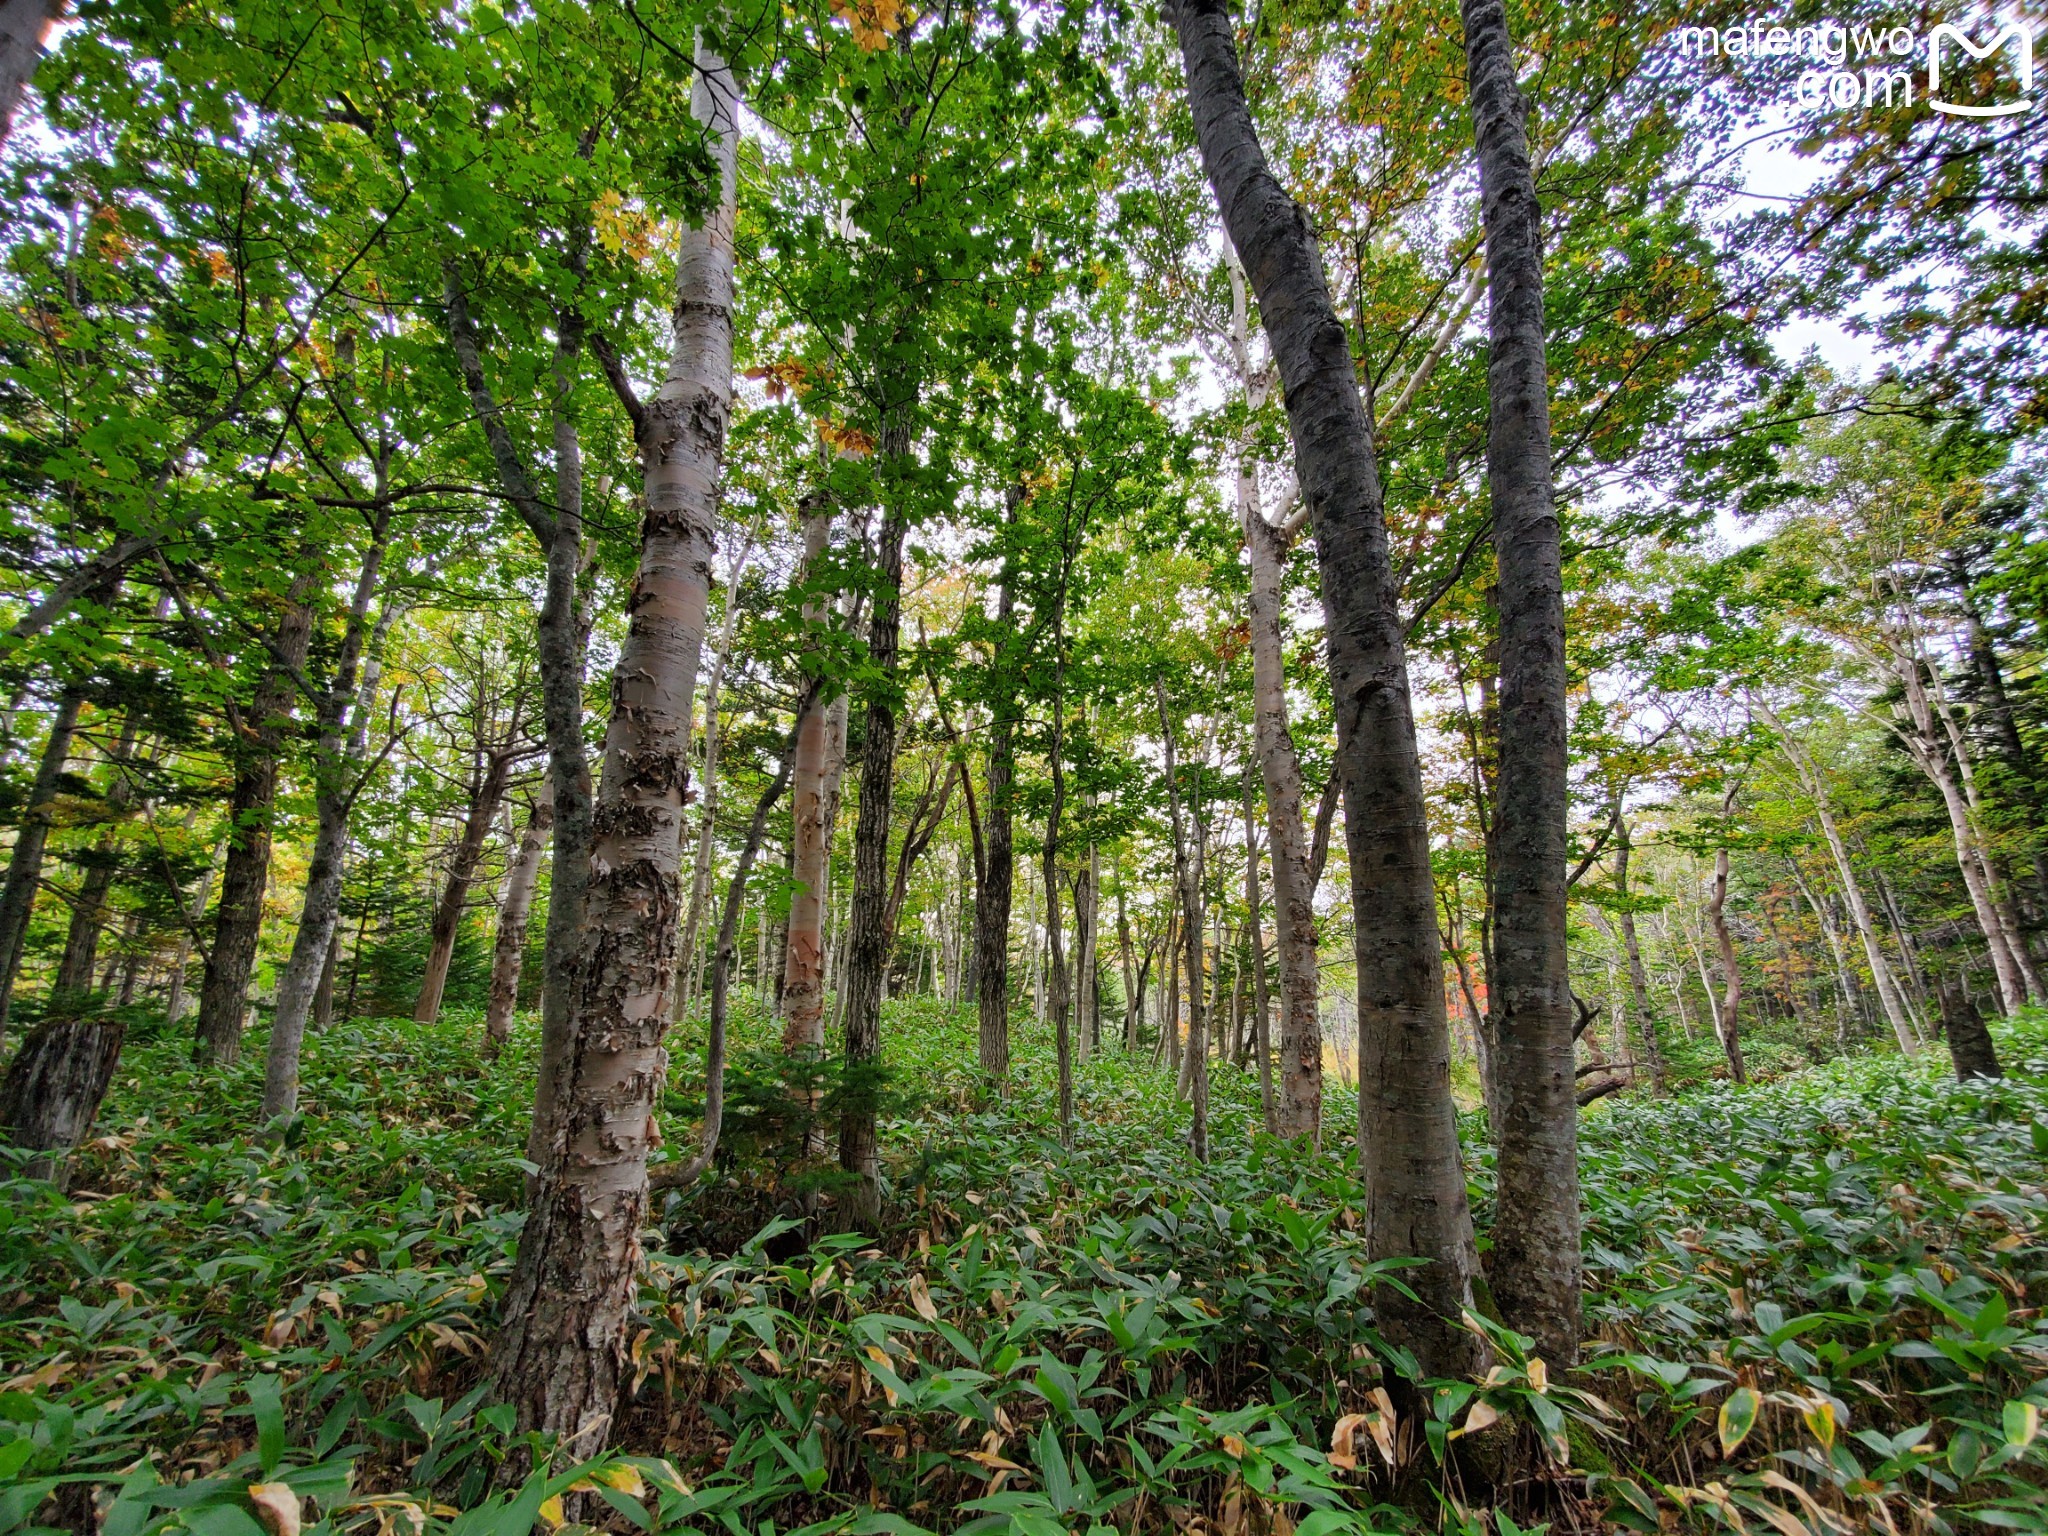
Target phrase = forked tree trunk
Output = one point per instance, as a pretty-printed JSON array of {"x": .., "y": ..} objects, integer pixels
[
  {"x": 1969, "y": 1042},
  {"x": 803, "y": 960},
  {"x": 869, "y": 934},
  {"x": 340, "y": 751},
  {"x": 54, "y": 1086},
  {"x": 258, "y": 755},
  {"x": 508, "y": 953},
  {"x": 25, "y": 868},
  {"x": 1536, "y": 1269},
  {"x": 1414, "y": 1173},
  {"x": 562, "y": 1355}
]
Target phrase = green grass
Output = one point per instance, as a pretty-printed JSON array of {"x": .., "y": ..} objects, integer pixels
[{"x": 1814, "y": 1302}]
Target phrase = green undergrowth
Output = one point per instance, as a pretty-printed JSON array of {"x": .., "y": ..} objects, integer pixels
[{"x": 1814, "y": 1306}]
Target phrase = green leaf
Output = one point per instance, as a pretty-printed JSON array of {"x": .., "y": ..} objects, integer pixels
[{"x": 1737, "y": 1418}]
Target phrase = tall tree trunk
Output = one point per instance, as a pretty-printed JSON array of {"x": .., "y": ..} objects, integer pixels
[
  {"x": 89, "y": 912},
  {"x": 1415, "y": 1177},
  {"x": 869, "y": 936},
  {"x": 257, "y": 755},
  {"x": 25, "y": 868},
  {"x": 1188, "y": 851},
  {"x": 508, "y": 953},
  {"x": 1536, "y": 1266},
  {"x": 1638, "y": 982},
  {"x": 562, "y": 1355},
  {"x": 803, "y": 959},
  {"x": 1255, "y": 929},
  {"x": 1298, "y": 1111},
  {"x": 448, "y": 911},
  {"x": 992, "y": 902},
  {"x": 1727, "y": 1014},
  {"x": 343, "y": 744}
]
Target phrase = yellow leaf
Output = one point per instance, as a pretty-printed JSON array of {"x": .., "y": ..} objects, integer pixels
[
  {"x": 626, "y": 1479},
  {"x": 1820, "y": 1419},
  {"x": 1539, "y": 1375},
  {"x": 277, "y": 1507},
  {"x": 551, "y": 1512}
]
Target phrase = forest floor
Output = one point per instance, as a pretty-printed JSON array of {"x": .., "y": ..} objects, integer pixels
[{"x": 1815, "y": 1306}]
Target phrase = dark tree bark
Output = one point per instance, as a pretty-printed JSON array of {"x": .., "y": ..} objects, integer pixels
[
  {"x": 25, "y": 869},
  {"x": 323, "y": 994},
  {"x": 870, "y": 935},
  {"x": 508, "y": 953},
  {"x": 562, "y": 1355},
  {"x": 257, "y": 754},
  {"x": 1536, "y": 1264},
  {"x": 992, "y": 901},
  {"x": 1969, "y": 1041},
  {"x": 54, "y": 1087},
  {"x": 1414, "y": 1173}
]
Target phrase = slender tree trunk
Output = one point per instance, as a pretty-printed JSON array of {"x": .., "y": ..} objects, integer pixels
[
  {"x": 992, "y": 902},
  {"x": 1415, "y": 1177},
  {"x": 1260, "y": 1001},
  {"x": 803, "y": 961},
  {"x": 323, "y": 994},
  {"x": 238, "y": 919},
  {"x": 454, "y": 902},
  {"x": 89, "y": 912},
  {"x": 1536, "y": 1266},
  {"x": 869, "y": 934},
  {"x": 1727, "y": 1015},
  {"x": 1187, "y": 868},
  {"x": 1298, "y": 1111},
  {"x": 344, "y": 743},
  {"x": 508, "y": 954},
  {"x": 562, "y": 1355},
  {"x": 25, "y": 868},
  {"x": 1638, "y": 981}
]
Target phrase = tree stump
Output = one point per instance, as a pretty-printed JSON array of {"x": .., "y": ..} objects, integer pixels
[
  {"x": 54, "y": 1086},
  {"x": 1969, "y": 1041}
]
